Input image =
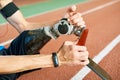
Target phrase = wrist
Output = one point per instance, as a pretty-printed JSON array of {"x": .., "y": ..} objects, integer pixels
[{"x": 61, "y": 58}]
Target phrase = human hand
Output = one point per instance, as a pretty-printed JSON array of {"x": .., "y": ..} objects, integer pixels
[
  {"x": 74, "y": 17},
  {"x": 72, "y": 54}
]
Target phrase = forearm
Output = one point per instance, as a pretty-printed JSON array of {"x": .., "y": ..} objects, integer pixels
[
  {"x": 10, "y": 13},
  {"x": 3, "y": 3},
  {"x": 15, "y": 17},
  {"x": 19, "y": 23},
  {"x": 13, "y": 64}
]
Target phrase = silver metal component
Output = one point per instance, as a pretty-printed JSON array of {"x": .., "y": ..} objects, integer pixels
[
  {"x": 77, "y": 30},
  {"x": 63, "y": 27},
  {"x": 49, "y": 32}
]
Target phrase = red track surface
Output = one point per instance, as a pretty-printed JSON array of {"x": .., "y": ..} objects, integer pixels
[{"x": 104, "y": 26}]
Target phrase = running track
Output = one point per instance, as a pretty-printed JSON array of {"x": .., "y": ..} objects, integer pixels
[{"x": 102, "y": 18}]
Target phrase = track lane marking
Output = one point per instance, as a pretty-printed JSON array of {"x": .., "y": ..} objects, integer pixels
[
  {"x": 85, "y": 70},
  {"x": 100, "y": 7}
]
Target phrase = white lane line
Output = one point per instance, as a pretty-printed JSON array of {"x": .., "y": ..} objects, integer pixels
[
  {"x": 100, "y": 7},
  {"x": 85, "y": 70},
  {"x": 84, "y": 13}
]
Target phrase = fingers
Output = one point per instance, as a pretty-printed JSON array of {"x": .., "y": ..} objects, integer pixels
[
  {"x": 72, "y": 8},
  {"x": 81, "y": 63},
  {"x": 82, "y": 58},
  {"x": 79, "y": 48},
  {"x": 70, "y": 11},
  {"x": 80, "y": 55},
  {"x": 85, "y": 62},
  {"x": 75, "y": 18},
  {"x": 75, "y": 54},
  {"x": 75, "y": 15}
]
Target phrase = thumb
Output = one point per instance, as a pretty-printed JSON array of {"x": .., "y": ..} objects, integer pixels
[{"x": 70, "y": 9}]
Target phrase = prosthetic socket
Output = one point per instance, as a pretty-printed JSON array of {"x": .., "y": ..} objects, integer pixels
[{"x": 36, "y": 39}]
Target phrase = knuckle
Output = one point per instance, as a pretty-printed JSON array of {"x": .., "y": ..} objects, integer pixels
[
  {"x": 68, "y": 43},
  {"x": 86, "y": 62},
  {"x": 83, "y": 48},
  {"x": 79, "y": 14},
  {"x": 87, "y": 53}
]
